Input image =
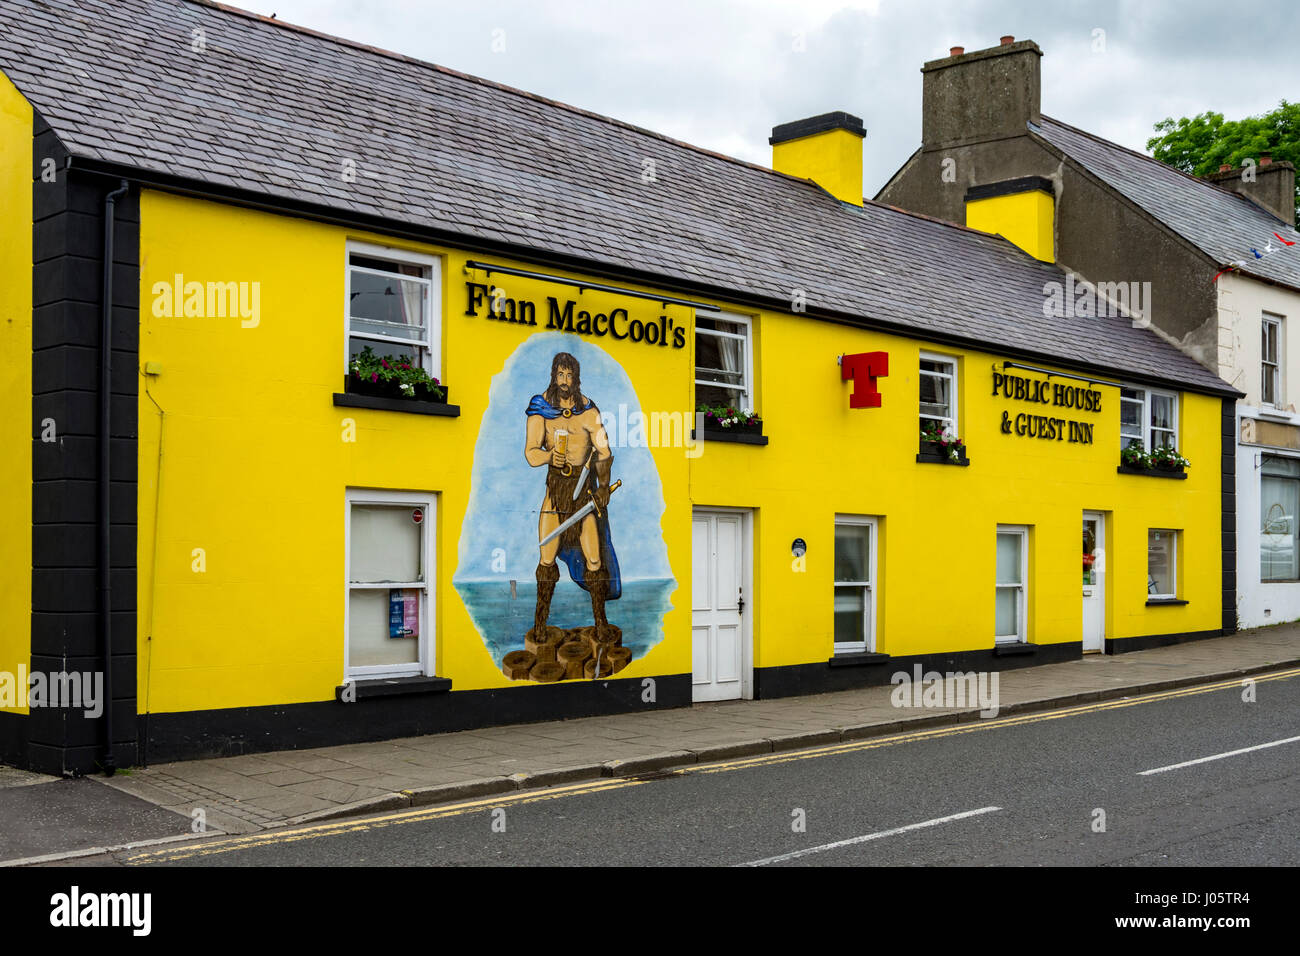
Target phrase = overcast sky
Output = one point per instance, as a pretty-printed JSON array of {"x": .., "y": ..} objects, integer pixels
[{"x": 721, "y": 73}]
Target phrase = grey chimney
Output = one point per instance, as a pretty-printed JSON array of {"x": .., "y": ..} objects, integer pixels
[
  {"x": 982, "y": 95},
  {"x": 1273, "y": 188}
]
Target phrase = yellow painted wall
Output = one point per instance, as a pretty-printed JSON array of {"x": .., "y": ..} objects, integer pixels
[
  {"x": 254, "y": 471},
  {"x": 833, "y": 160},
  {"x": 254, "y": 468},
  {"x": 1027, "y": 219},
  {"x": 15, "y": 381},
  {"x": 939, "y": 522}
]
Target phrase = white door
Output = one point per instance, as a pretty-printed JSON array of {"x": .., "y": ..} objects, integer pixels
[
  {"x": 717, "y": 605},
  {"x": 1094, "y": 581}
]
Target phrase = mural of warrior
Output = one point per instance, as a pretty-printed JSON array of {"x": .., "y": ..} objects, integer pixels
[{"x": 565, "y": 435}]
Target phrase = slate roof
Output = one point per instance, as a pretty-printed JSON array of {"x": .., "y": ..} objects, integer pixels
[
  {"x": 274, "y": 110},
  {"x": 1222, "y": 224}
]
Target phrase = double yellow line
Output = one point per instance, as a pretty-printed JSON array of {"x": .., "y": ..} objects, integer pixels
[{"x": 363, "y": 824}]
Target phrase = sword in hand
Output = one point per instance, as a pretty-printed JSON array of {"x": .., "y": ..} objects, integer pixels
[{"x": 577, "y": 516}]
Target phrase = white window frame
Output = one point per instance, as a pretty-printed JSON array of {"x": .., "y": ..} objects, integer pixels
[
  {"x": 430, "y": 349},
  {"x": 1173, "y": 564},
  {"x": 1271, "y": 370},
  {"x": 868, "y": 587},
  {"x": 1022, "y": 598},
  {"x": 428, "y": 600},
  {"x": 745, "y": 399},
  {"x": 1145, "y": 403},
  {"x": 950, "y": 421}
]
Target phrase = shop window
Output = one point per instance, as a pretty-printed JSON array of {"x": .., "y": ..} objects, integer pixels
[
  {"x": 855, "y": 585},
  {"x": 724, "y": 361},
  {"x": 1279, "y": 557},
  {"x": 393, "y": 305},
  {"x": 1148, "y": 416},
  {"x": 938, "y": 381},
  {"x": 389, "y": 619},
  {"x": 1162, "y": 564},
  {"x": 1011, "y": 590},
  {"x": 1270, "y": 392}
]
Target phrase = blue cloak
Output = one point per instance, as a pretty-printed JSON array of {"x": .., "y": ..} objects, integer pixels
[{"x": 572, "y": 555}]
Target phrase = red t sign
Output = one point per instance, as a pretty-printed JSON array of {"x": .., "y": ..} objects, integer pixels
[{"x": 864, "y": 368}]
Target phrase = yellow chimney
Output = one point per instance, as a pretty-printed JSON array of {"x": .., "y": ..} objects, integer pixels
[
  {"x": 826, "y": 149},
  {"x": 1020, "y": 210}
]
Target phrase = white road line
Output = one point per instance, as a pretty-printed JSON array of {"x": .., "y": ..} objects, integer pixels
[
  {"x": 870, "y": 836},
  {"x": 1230, "y": 753}
]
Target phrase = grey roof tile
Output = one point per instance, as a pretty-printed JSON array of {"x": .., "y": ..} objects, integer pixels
[
  {"x": 1222, "y": 224},
  {"x": 275, "y": 110}
]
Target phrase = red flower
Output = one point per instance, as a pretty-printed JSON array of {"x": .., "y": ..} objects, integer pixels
[
  {"x": 374, "y": 376},
  {"x": 384, "y": 362}
]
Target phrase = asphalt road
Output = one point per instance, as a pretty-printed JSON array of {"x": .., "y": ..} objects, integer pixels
[{"x": 1014, "y": 791}]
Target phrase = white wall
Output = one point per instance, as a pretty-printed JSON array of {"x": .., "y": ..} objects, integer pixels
[{"x": 1242, "y": 302}]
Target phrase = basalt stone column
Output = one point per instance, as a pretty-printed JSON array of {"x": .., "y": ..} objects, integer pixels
[{"x": 66, "y": 603}]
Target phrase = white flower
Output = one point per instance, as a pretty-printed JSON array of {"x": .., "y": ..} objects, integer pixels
[{"x": 407, "y": 388}]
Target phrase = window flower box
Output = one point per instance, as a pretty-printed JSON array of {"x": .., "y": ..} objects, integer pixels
[
  {"x": 940, "y": 446},
  {"x": 392, "y": 377},
  {"x": 727, "y": 423},
  {"x": 1163, "y": 462},
  {"x": 1153, "y": 471},
  {"x": 745, "y": 428},
  {"x": 393, "y": 385},
  {"x": 934, "y": 452},
  {"x": 415, "y": 391}
]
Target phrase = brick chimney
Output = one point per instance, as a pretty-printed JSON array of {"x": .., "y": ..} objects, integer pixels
[
  {"x": 983, "y": 95},
  {"x": 1273, "y": 188},
  {"x": 826, "y": 149}
]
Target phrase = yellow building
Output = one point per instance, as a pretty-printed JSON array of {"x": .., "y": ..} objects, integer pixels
[{"x": 746, "y": 391}]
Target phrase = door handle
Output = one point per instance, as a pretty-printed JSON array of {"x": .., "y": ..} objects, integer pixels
[{"x": 740, "y": 603}]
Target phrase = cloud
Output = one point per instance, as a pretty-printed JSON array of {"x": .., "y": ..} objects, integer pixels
[{"x": 721, "y": 73}]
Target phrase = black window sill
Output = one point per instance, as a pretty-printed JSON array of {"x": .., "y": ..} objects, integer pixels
[
  {"x": 1165, "y": 602},
  {"x": 1014, "y": 650},
  {"x": 740, "y": 438},
  {"x": 395, "y": 686},
  {"x": 1152, "y": 472},
  {"x": 858, "y": 659},
  {"x": 412, "y": 406}
]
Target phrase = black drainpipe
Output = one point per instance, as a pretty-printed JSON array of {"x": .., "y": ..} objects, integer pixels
[{"x": 105, "y": 405}]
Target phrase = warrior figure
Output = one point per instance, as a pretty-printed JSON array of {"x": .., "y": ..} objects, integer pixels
[{"x": 566, "y": 435}]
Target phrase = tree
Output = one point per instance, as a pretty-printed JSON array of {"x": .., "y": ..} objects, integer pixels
[{"x": 1202, "y": 144}]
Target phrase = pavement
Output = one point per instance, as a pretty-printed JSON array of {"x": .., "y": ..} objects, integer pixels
[{"x": 249, "y": 793}]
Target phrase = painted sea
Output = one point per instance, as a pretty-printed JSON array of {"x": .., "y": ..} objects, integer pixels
[{"x": 502, "y": 620}]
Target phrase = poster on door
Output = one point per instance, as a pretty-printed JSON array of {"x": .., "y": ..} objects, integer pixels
[{"x": 562, "y": 563}]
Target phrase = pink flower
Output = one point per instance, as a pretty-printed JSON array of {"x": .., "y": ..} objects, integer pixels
[
  {"x": 374, "y": 376},
  {"x": 384, "y": 362}
]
